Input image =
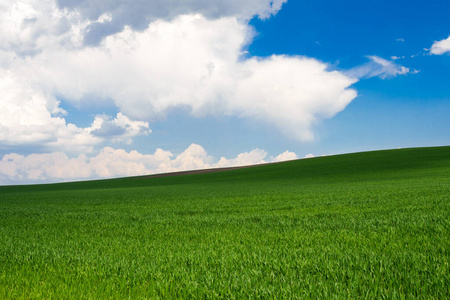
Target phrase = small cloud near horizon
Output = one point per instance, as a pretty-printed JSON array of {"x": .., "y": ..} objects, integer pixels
[{"x": 110, "y": 163}]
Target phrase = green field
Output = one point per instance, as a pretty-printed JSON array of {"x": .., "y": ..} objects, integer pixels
[{"x": 365, "y": 225}]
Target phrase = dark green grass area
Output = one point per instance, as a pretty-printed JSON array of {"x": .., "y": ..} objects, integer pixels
[{"x": 365, "y": 225}]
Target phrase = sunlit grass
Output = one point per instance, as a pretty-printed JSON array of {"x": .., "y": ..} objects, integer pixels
[{"x": 368, "y": 225}]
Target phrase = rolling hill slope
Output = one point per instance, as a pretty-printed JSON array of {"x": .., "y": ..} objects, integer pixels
[
  {"x": 373, "y": 224},
  {"x": 364, "y": 166}
]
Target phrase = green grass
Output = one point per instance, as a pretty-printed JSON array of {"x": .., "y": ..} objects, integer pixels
[{"x": 365, "y": 225}]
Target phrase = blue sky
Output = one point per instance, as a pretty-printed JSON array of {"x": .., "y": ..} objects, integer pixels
[{"x": 96, "y": 89}]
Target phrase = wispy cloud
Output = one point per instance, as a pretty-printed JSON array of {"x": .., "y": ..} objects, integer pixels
[{"x": 379, "y": 67}]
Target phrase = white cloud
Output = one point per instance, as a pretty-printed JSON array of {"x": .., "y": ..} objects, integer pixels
[
  {"x": 387, "y": 68},
  {"x": 120, "y": 129},
  {"x": 29, "y": 26},
  {"x": 109, "y": 162},
  {"x": 190, "y": 61},
  {"x": 109, "y": 17},
  {"x": 16, "y": 168},
  {"x": 440, "y": 47},
  {"x": 114, "y": 163},
  {"x": 29, "y": 116},
  {"x": 287, "y": 155},
  {"x": 293, "y": 93},
  {"x": 379, "y": 67},
  {"x": 253, "y": 157}
]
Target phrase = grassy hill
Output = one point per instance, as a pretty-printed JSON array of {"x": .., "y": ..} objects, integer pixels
[{"x": 370, "y": 225}]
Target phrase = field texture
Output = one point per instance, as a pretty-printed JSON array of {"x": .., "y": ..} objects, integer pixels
[{"x": 365, "y": 225}]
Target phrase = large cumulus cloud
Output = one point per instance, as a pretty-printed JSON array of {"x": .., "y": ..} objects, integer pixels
[{"x": 192, "y": 62}]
